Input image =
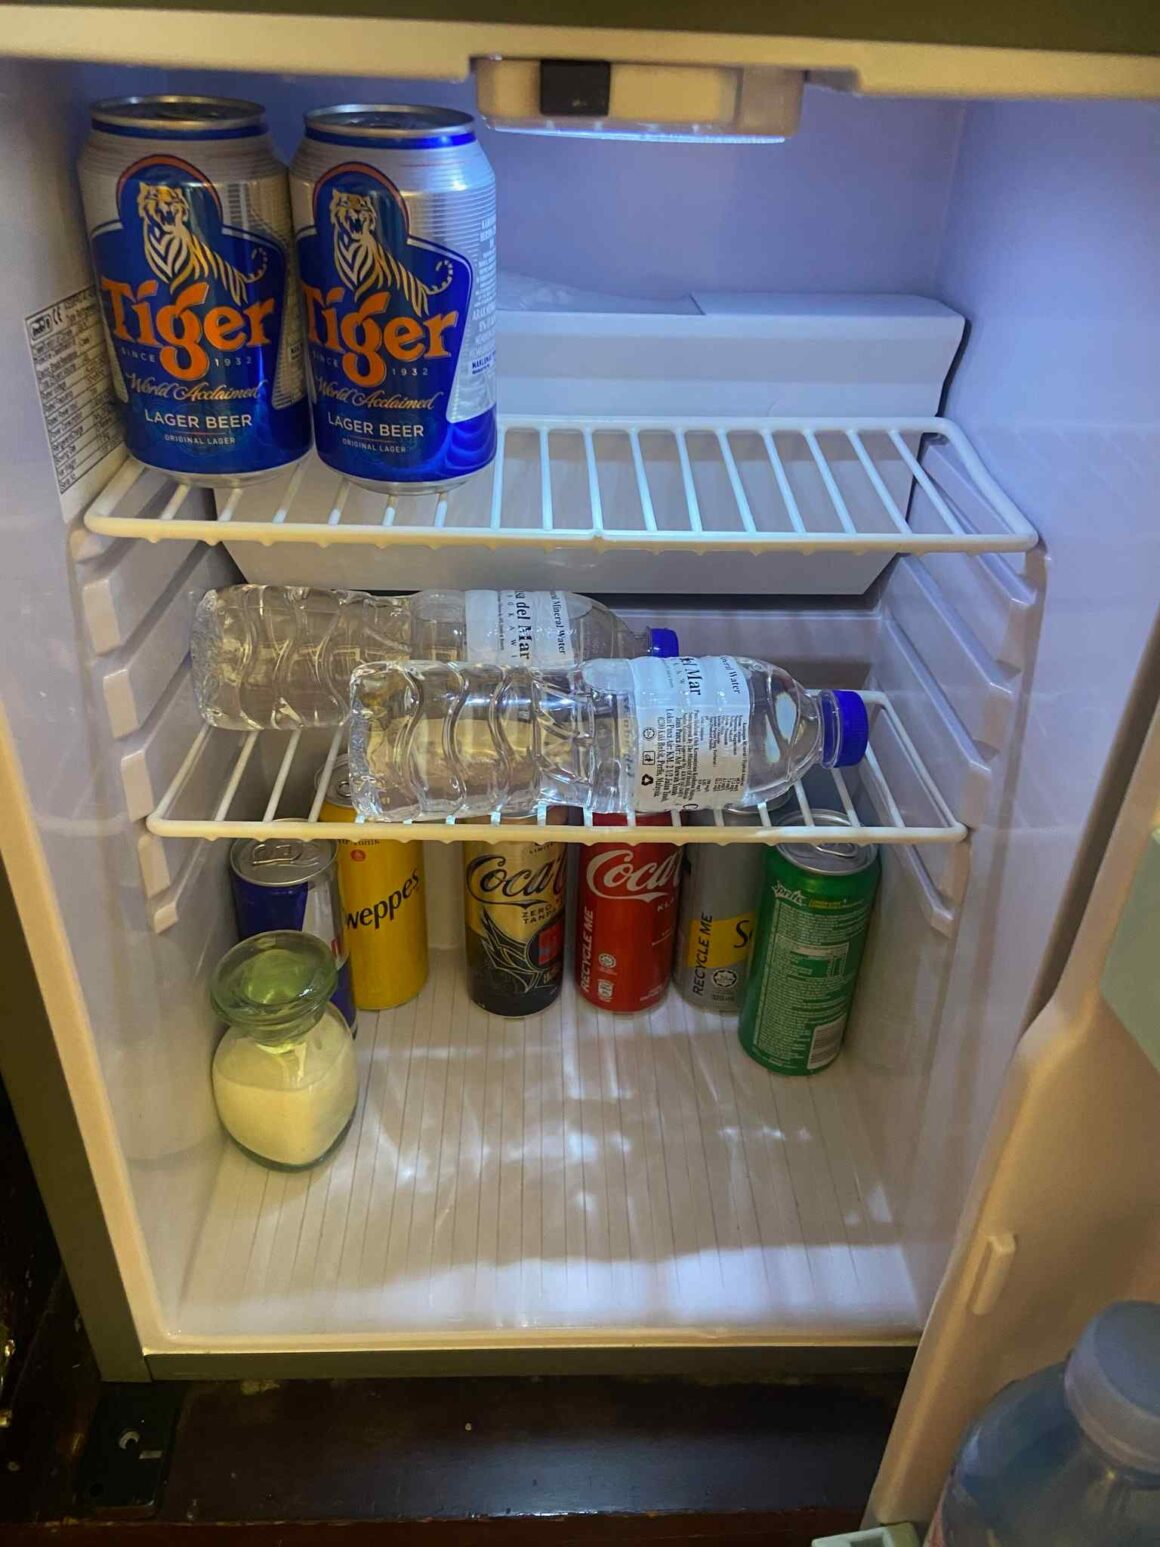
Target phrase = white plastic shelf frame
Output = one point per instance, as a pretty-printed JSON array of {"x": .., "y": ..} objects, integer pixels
[
  {"x": 262, "y": 784},
  {"x": 652, "y": 485}
]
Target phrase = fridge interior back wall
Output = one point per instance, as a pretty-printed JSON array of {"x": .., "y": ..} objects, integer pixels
[{"x": 821, "y": 1214}]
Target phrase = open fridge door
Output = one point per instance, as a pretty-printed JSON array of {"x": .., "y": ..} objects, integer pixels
[{"x": 1062, "y": 1216}]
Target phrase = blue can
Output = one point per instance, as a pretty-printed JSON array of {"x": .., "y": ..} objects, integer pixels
[
  {"x": 188, "y": 213},
  {"x": 394, "y": 215},
  {"x": 292, "y": 883}
]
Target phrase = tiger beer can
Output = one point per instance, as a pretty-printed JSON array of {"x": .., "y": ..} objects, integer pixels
[
  {"x": 384, "y": 907},
  {"x": 394, "y": 215},
  {"x": 719, "y": 896},
  {"x": 188, "y": 214}
]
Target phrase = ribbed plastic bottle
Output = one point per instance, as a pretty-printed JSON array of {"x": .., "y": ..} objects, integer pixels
[
  {"x": 684, "y": 733},
  {"x": 1069, "y": 1457},
  {"x": 279, "y": 657}
]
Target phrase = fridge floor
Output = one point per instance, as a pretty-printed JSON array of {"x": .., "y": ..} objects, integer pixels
[{"x": 576, "y": 1176}]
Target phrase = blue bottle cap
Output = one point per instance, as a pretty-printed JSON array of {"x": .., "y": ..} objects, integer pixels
[
  {"x": 1112, "y": 1384},
  {"x": 664, "y": 642},
  {"x": 845, "y": 728}
]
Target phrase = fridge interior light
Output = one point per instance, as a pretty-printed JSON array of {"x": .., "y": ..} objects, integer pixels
[{"x": 597, "y": 99}]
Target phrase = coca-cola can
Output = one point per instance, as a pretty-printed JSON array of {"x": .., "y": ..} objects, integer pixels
[{"x": 626, "y": 919}]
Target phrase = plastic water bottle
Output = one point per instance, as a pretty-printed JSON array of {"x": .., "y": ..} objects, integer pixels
[
  {"x": 1071, "y": 1456},
  {"x": 684, "y": 733},
  {"x": 279, "y": 657}
]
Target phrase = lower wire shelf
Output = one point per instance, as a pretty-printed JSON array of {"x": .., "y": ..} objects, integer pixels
[{"x": 263, "y": 784}]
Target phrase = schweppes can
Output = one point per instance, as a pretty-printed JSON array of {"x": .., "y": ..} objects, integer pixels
[
  {"x": 384, "y": 906},
  {"x": 188, "y": 213},
  {"x": 719, "y": 898},
  {"x": 394, "y": 213}
]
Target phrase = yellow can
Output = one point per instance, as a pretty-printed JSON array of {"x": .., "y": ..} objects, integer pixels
[{"x": 384, "y": 908}]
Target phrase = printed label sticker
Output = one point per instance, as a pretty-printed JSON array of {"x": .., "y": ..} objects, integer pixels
[
  {"x": 72, "y": 378},
  {"x": 691, "y": 743},
  {"x": 519, "y": 628}
]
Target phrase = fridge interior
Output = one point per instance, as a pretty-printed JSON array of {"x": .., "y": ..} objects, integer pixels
[{"x": 579, "y": 1179}]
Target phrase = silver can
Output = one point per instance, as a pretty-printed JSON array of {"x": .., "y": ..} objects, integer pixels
[
  {"x": 188, "y": 214},
  {"x": 719, "y": 897},
  {"x": 394, "y": 215}
]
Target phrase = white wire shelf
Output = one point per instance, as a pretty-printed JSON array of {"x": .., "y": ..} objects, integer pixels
[
  {"x": 654, "y": 485},
  {"x": 262, "y": 784}
]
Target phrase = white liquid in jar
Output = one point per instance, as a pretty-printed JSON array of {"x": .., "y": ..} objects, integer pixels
[{"x": 289, "y": 1101}]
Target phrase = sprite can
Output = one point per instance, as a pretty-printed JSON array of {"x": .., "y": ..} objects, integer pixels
[{"x": 811, "y": 931}]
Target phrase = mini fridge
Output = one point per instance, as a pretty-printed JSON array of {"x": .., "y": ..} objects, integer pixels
[{"x": 834, "y": 345}]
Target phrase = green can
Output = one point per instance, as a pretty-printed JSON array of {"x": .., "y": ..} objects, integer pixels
[{"x": 811, "y": 930}]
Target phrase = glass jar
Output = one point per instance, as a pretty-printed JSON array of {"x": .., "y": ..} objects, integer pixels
[{"x": 285, "y": 1077}]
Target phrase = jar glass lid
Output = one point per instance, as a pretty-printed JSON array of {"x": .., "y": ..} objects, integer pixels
[{"x": 274, "y": 983}]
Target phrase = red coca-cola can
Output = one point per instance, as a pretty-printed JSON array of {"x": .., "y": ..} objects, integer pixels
[{"x": 626, "y": 919}]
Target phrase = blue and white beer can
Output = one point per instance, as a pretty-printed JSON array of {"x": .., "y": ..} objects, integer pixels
[
  {"x": 394, "y": 215},
  {"x": 188, "y": 213}
]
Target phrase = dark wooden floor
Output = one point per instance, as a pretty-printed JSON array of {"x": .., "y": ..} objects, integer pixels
[
  {"x": 452, "y": 1462},
  {"x": 461, "y": 1449}
]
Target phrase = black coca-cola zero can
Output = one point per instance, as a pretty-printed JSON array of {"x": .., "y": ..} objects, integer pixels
[{"x": 513, "y": 907}]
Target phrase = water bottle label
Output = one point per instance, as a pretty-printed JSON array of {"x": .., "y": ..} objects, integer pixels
[
  {"x": 519, "y": 628},
  {"x": 691, "y": 742}
]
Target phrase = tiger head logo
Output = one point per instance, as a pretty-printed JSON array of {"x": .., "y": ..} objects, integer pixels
[
  {"x": 364, "y": 264},
  {"x": 177, "y": 254},
  {"x": 163, "y": 210}
]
